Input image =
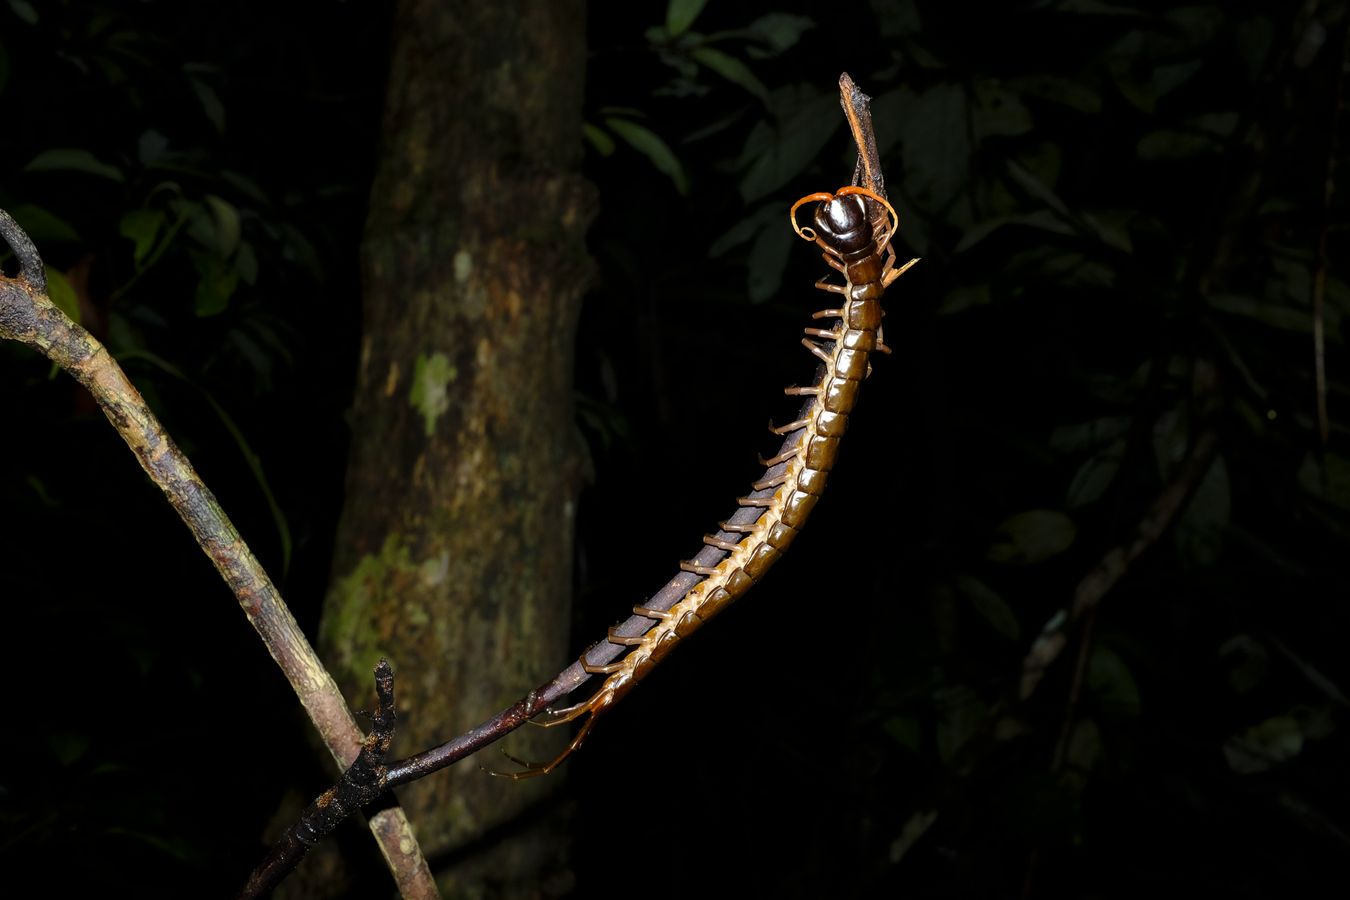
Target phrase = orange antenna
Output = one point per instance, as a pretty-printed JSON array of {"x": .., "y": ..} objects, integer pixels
[{"x": 807, "y": 233}]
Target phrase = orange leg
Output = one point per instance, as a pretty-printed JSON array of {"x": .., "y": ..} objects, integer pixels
[{"x": 534, "y": 769}]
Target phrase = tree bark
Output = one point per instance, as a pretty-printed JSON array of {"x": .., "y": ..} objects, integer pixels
[{"x": 454, "y": 551}]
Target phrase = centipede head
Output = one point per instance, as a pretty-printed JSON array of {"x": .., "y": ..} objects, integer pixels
[
  {"x": 843, "y": 222},
  {"x": 841, "y": 219}
]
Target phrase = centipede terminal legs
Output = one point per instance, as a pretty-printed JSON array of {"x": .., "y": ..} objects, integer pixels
[{"x": 533, "y": 769}]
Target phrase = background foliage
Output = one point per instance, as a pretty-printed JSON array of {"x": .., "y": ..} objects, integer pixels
[{"x": 1124, "y": 215}]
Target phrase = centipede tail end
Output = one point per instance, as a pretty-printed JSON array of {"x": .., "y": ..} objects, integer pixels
[{"x": 533, "y": 769}]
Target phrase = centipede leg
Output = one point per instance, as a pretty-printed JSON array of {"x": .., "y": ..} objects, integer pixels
[
  {"x": 608, "y": 669},
  {"x": 772, "y": 482},
  {"x": 817, "y": 351},
  {"x": 647, "y": 613},
  {"x": 789, "y": 427},
  {"x": 624, "y": 640},
  {"x": 774, "y": 460},
  {"x": 889, "y": 277},
  {"x": 824, "y": 285},
  {"x": 533, "y": 769},
  {"x": 688, "y": 566},
  {"x": 552, "y": 717}
]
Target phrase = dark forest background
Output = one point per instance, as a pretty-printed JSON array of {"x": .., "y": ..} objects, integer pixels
[{"x": 1129, "y": 241}]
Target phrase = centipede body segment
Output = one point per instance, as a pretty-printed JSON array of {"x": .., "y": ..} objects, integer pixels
[{"x": 843, "y": 229}]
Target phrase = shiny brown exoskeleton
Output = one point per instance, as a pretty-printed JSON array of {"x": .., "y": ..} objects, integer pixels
[{"x": 795, "y": 477}]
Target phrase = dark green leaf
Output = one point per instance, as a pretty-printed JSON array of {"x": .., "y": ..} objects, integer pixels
[
  {"x": 216, "y": 282},
  {"x": 1170, "y": 77},
  {"x": 779, "y": 32},
  {"x": 152, "y": 147},
  {"x": 60, "y": 292},
  {"x": 746, "y": 229},
  {"x": 999, "y": 112},
  {"x": 25, "y": 11},
  {"x": 1041, "y": 219},
  {"x": 1267, "y": 312},
  {"x": 1096, "y": 8},
  {"x": 246, "y": 263},
  {"x": 960, "y": 299},
  {"x": 42, "y": 225},
  {"x": 1112, "y": 229},
  {"x": 653, "y": 147},
  {"x": 730, "y": 68},
  {"x": 142, "y": 227},
  {"x": 904, "y": 730},
  {"x": 1095, "y": 476},
  {"x": 680, "y": 14},
  {"x": 961, "y": 713},
  {"x": 990, "y": 606},
  {"x": 1112, "y": 683},
  {"x": 1247, "y": 662},
  {"x": 1084, "y": 752},
  {"x": 1038, "y": 189},
  {"x": 213, "y": 109},
  {"x": 792, "y": 146},
  {"x": 1269, "y": 743},
  {"x": 73, "y": 159},
  {"x": 1031, "y": 537},
  {"x": 935, "y": 138},
  {"x": 68, "y": 746},
  {"x": 227, "y": 224},
  {"x": 1170, "y": 144},
  {"x": 768, "y": 258},
  {"x": 598, "y": 138},
  {"x": 1200, "y": 530},
  {"x": 916, "y": 826},
  {"x": 1088, "y": 435},
  {"x": 1064, "y": 91},
  {"x": 1327, "y": 478}
]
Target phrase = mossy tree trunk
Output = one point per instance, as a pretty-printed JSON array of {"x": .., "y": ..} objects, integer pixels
[{"x": 453, "y": 555}]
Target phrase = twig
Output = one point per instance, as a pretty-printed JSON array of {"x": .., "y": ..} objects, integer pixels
[
  {"x": 27, "y": 315},
  {"x": 867, "y": 172},
  {"x": 360, "y": 785},
  {"x": 1319, "y": 281},
  {"x": 1117, "y": 561}
]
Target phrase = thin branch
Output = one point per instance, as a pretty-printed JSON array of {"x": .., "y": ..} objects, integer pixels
[
  {"x": 31, "y": 269},
  {"x": 1319, "y": 281},
  {"x": 1116, "y": 562},
  {"x": 27, "y": 315},
  {"x": 362, "y": 784}
]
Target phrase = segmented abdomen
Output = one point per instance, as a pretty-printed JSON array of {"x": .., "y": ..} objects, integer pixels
[
  {"x": 798, "y": 476},
  {"x": 752, "y": 540}
]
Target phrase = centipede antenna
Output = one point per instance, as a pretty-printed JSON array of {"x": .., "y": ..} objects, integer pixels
[{"x": 807, "y": 233}]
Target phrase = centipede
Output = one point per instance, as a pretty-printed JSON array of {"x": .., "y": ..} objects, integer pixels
[{"x": 746, "y": 545}]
